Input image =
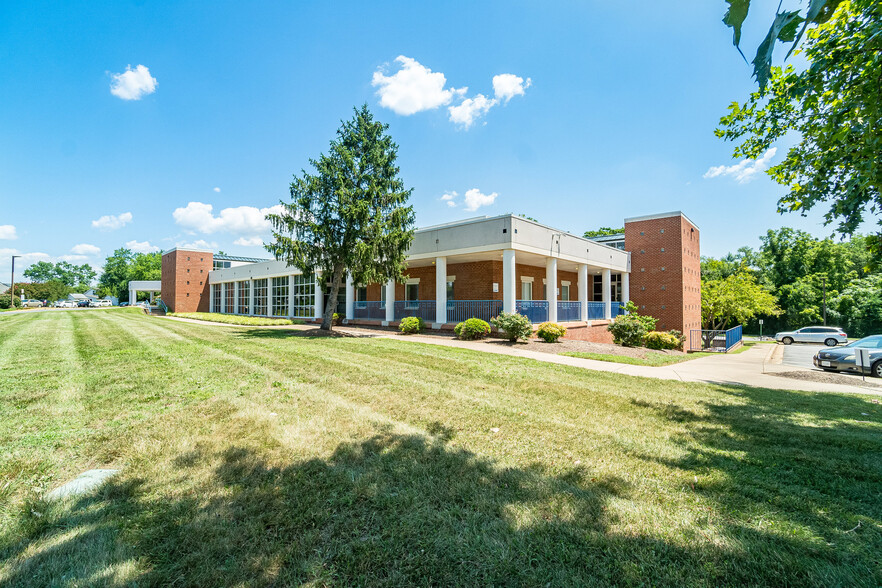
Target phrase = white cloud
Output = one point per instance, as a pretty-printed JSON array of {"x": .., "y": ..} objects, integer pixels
[
  {"x": 25, "y": 259},
  {"x": 470, "y": 110},
  {"x": 198, "y": 244},
  {"x": 110, "y": 222},
  {"x": 241, "y": 220},
  {"x": 745, "y": 170},
  {"x": 141, "y": 246},
  {"x": 217, "y": 189},
  {"x": 413, "y": 88},
  {"x": 249, "y": 241},
  {"x": 73, "y": 258},
  {"x": 507, "y": 86},
  {"x": 474, "y": 199},
  {"x": 450, "y": 198},
  {"x": 8, "y": 232},
  {"x": 85, "y": 249},
  {"x": 132, "y": 84}
]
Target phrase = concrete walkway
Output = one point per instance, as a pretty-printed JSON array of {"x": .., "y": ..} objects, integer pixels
[{"x": 755, "y": 367}]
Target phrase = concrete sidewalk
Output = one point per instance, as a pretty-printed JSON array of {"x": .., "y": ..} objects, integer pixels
[{"x": 754, "y": 367}]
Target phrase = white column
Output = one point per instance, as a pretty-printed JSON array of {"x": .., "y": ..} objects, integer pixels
[
  {"x": 236, "y": 297},
  {"x": 626, "y": 288},
  {"x": 390, "y": 301},
  {"x": 133, "y": 297},
  {"x": 607, "y": 307},
  {"x": 551, "y": 287},
  {"x": 251, "y": 297},
  {"x": 269, "y": 297},
  {"x": 223, "y": 294},
  {"x": 151, "y": 297},
  {"x": 291, "y": 296},
  {"x": 319, "y": 297},
  {"x": 350, "y": 298},
  {"x": 509, "y": 286},
  {"x": 440, "y": 290},
  {"x": 583, "y": 292}
]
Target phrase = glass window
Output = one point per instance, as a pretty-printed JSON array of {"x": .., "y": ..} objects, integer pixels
[
  {"x": 564, "y": 293},
  {"x": 526, "y": 290},
  {"x": 361, "y": 297},
  {"x": 244, "y": 296},
  {"x": 221, "y": 264},
  {"x": 411, "y": 292},
  {"x": 304, "y": 296},
  {"x": 215, "y": 297},
  {"x": 383, "y": 295},
  {"x": 450, "y": 292},
  {"x": 280, "y": 296},
  {"x": 229, "y": 297},
  {"x": 260, "y": 297}
]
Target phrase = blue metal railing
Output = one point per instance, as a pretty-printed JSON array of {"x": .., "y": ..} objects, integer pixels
[
  {"x": 617, "y": 308},
  {"x": 569, "y": 310},
  {"x": 424, "y": 309},
  {"x": 535, "y": 310},
  {"x": 595, "y": 311},
  {"x": 371, "y": 309},
  {"x": 733, "y": 337},
  {"x": 715, "y": 340},
  {"x": 460, "y": 310}
]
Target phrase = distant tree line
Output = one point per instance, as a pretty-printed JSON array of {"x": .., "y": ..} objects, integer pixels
[
  {"x": 124, "y": 266},
  {"x": 795, "y": 273}
]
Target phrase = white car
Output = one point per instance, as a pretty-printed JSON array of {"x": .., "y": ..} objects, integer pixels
[
  {"x": 100, "y": 303},
  {"x": 829, "y": 336}
]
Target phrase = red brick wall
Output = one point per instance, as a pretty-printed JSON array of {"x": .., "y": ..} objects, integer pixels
[
  {"x": 475, "y": 279},
  {"x": 185, "y": 280},
  {"x": 666, "y": 271}
]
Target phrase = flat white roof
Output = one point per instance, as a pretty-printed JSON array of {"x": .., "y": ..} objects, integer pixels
[{"x": 660, "y": 215}]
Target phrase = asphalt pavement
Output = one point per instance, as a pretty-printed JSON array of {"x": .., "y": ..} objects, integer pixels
[{"x": 800, "y": 354}]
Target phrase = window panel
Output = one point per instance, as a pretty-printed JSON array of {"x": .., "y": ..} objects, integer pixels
[
  {"x": 280, "y": 296},
  {"x": 260, "y": 297},
  {"x": 215, "y": 297},
  {"x": 244, "y": 297},
  {"x": 304, "y": 296},
  {"x": 229, "y": 297}
]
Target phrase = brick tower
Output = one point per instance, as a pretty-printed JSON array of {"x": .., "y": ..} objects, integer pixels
[
  {"x": 665, "y": 279},
  {"x": 185, "y": 279}
]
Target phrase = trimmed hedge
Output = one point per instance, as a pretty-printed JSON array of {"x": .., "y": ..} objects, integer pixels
[
  {"x": 411, "y": 325},
  {"x": 516, "y": 326},
  {"x": 661, "y": 340},
  {"x": 551, "y": 332},
  {"x": 473, "y": 328}
]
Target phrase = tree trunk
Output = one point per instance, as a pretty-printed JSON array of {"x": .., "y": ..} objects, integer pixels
[{"x": 331, "y": 302}]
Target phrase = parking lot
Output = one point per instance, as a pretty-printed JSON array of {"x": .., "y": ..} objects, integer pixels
[{"x": 800, "y": 354}]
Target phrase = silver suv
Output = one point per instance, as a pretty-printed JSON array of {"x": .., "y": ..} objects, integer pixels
[{"x": 829, "y": 336}]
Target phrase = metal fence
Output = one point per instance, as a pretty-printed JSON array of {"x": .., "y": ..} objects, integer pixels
[
  {"x": 595, "y": 311},
  {"x": 715, "y": 340},
  {"x": 371, "y": 309},
  {"x": 535, "y": 310},
  {"x": 569, "y": 310},
  {"x": 460, "y": 310},
  {"x": 424, "y": 309}
]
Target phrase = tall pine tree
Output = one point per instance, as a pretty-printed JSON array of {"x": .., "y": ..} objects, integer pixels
[{"x": 351, "y": 216}]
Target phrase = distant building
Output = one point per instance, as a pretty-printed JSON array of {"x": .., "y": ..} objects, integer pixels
[{"x": 473, "y": 268}]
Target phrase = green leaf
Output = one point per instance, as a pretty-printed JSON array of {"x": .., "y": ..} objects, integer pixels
[
  {"x": 788, "y": 32},
  {"x": 814, "y": 9},
  {"x": 734, "y": 18},
  {"x": 762, "y": 63}
]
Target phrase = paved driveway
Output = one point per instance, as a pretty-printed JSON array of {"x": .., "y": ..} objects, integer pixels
[{"x": 800, "y": 354}]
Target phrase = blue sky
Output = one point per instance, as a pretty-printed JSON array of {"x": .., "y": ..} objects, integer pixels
[{"x": 600, "y": 111}]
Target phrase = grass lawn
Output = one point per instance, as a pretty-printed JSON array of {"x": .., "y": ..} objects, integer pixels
[
  {"x": 255, "y": 457},
  {"x": 232, "y": 319},
  {"x": 652, "y": 358}
]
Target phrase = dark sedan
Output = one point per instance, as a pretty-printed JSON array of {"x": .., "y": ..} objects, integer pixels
[{"x": 842, "y": 359}]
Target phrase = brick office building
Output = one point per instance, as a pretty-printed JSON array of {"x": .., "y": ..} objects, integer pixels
[{"x": 474, "y": 268}]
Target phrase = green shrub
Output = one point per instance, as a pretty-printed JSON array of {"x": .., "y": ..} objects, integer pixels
[
  {"x": 680, "y": 337},
  {"x": 628, "y": 330},
  {"x": 337, "y": 319},
  {"x": 647, "y": 321},
  {"x": 661, "y": 340},
  {"x": 410, "y": 325},
  {"x": 5, "y": 301},
  {"x": 551, "y": 332},
  {"x": 516, "y": 326},
  {"x": 473, "y": 328}
]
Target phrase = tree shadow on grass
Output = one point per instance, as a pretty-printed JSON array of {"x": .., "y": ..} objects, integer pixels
[
  {"x": 397, "y": 510},
  {"x": 806, "y": 467},
  {"x": 391, "y": 510}
]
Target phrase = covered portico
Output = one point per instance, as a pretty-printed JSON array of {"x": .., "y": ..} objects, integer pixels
[
  {"x": 152, "y": 286},
  {"x": 485, "y": 266}
]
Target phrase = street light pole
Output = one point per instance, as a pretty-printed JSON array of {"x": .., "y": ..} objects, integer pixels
[
  {"x": 824, "y": 282},
  {"x": 12, "y": 284}
]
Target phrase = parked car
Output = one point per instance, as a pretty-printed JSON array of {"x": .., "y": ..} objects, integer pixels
[
  {"x": 100, "y": 303},
  {"x": 83, "y": 304},
  {"x": 843, "y": 359},
  {"x": 122, "y": 304},
  {"x": 67, "y": 304},
  {"x": 829, "y": 336},
  {"x": 32, "y": 303}
]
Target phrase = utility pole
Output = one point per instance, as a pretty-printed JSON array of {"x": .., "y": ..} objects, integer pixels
[
  {"x": 12, "y": 284},
  {"x": 824, "y": 282}
]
